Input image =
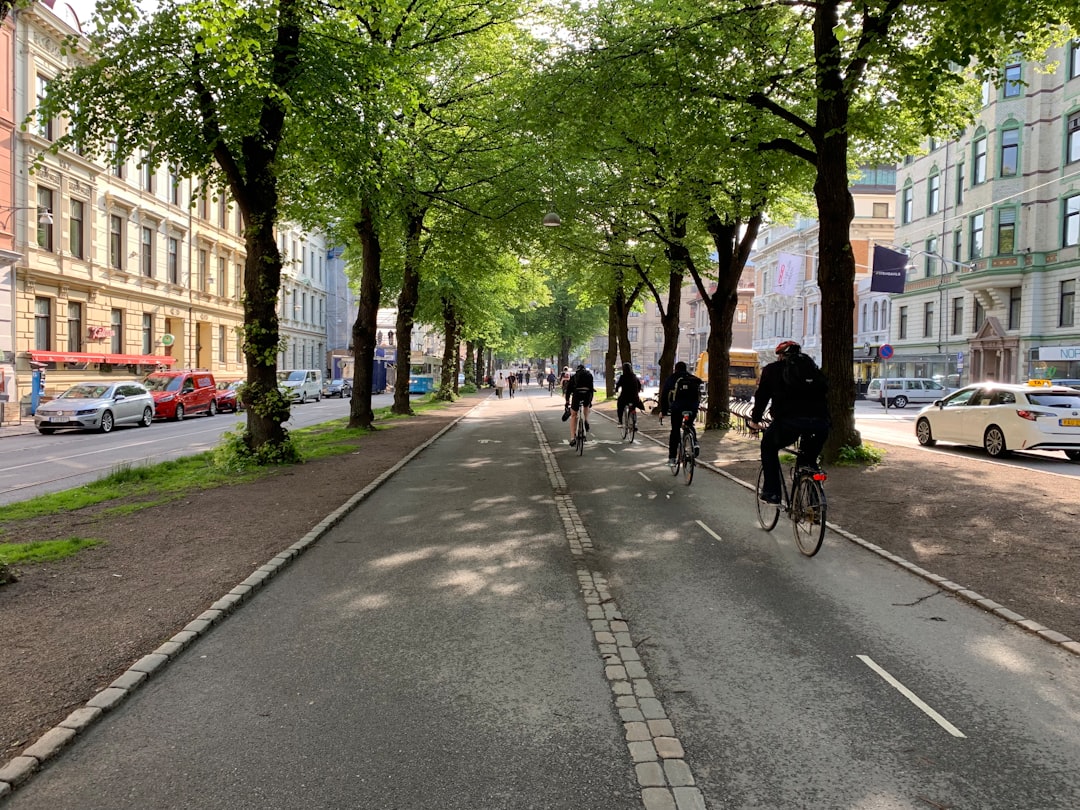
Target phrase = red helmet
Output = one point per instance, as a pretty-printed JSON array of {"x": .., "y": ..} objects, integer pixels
[{"x": 787, "y": 347}]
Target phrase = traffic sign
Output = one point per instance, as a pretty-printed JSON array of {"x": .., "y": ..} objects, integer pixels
[{"x": 885, "y": 351}]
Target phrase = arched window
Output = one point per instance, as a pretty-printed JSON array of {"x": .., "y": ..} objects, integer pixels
[{"x": 864, "y": 307}]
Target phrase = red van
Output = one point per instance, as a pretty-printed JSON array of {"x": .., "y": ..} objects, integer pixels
[{"x": 180, "y": 393}]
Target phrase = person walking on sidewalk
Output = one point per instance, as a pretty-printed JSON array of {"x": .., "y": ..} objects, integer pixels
[
  {"x": 579, "y": 397},
  {"x": 511, "y": 384},
  {"x": 795, "y": 391},
  {"x": 681, "y": 393}
]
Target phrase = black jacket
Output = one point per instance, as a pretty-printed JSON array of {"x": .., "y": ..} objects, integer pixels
[
  {"x": 785, "y": 400},
  {"x": 630, "y": 386},
  {"x": 687, "y": 398}
]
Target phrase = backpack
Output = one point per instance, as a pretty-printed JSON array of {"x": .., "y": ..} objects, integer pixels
[
  {"x": 686, "y": 388},
  {"x": 802, "y": 377}
]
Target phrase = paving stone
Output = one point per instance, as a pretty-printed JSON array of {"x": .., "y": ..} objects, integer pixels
[
  {"x": 619, "y": 626},
  {"x": 633, "y": 715},
  {"x": 661, "y": 728},
  {"x": 594, "y": 612},
  {"x": 107, "y": 698},
  {"x": 50, "y": 743},
  {"x": 658, "y": 799},
  {"x": 635, "y": 670},
  {"x": 169, "y": 648},
  {"x": 650, "y": 774},
  {"x": 626, "y": 702},
  {"x": 18, "y": 770},
  {"x": 642, "y": 688},
  {"x": 652, "y": 709},
  {"x": 81, "y": 718},
  {"x": 1054, "y": 636},
  {"x": 150, "y": 663},
  {"x": 678, "y": 773},
  {"x": 637, "y": 732},
  {"x": 689, "y": 798},
  {"x": 604, "y": 638},
  {"x": 629, "y": 654},
  {"x": 669, "y": 747},
  {"x": 642, "y": 751},
  {"x": 599, "y": 626},
  {"x": 129, "y": 680},
  {"x": 622, "y": 688},
  {"x": 615, "y": 673}
]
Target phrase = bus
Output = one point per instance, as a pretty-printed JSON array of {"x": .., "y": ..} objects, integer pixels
[{"x": 742, "y": 372}]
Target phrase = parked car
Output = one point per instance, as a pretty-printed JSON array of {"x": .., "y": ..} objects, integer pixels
[
  {"x": 902, "y": 390},
  {"x": 228, "y": 396},
  {"x": 181, "y": 393},
  {"x": 337, "y": 388},
  {"x": 97, "y": 406},
  {"x": 1000, "y": 417},
  {"x": 301, "y": 384}
]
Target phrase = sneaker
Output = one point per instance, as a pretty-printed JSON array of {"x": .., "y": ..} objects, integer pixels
[
  {"x": 673, "y": 462},
  {"x": 586, "y": 425},
  {"x": 697, "y": 450},
  {"x": 768, "y": 497},
  {"x": 573, "y": 442}
]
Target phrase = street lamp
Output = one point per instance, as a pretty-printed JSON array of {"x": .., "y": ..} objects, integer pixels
[
  {"x": 551, "y": 220},
  {"x": 45, "y": 216}
]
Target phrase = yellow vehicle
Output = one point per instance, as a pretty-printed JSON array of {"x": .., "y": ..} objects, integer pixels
[{"x": 742, "y": 372}]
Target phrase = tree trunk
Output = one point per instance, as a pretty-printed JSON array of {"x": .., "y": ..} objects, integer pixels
[
  {"x": 406, "y": 309},
  {"x": 612, "y": 344},
  {"x": 836, "y": 209},
  {"x": 450, "y": 355},
  {"x": 470, "y": 367},
  {"x": 679, "y": 261},
  {"x": 365, "y": 327}
]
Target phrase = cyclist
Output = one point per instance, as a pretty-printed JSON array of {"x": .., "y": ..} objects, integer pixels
[
  {"x": 579, "y": 397},
  {"x": 681, "y": 393},
  {"x": 551, "y": 380},
  {"x": 629, "y": 388},
  {"x": 564, "y": 380},
  {"x": 797, "y": 390}
]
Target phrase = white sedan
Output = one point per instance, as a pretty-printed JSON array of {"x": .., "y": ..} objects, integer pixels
[{"x": 1000, "y": 417}]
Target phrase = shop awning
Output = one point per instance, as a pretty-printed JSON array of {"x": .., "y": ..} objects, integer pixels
[
  {"x": 66, "y": 357},
  {"x": 115, "y": 359},
  {"x": 140, "y": 359}
]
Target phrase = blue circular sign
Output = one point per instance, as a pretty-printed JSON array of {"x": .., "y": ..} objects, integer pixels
[{"x": 885, "y": 351}]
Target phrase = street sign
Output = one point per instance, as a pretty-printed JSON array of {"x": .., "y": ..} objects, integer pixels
[
  {"x": 167, "y": 339},
  {"x": 885, "y": 351}
]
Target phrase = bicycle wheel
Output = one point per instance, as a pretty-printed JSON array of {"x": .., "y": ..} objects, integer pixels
[
  {"x": 767, "y": 513},
  {"x": 627, "y": 431},
  {"x": 633, "y": 425},
  {"x": 687, "y": 451},
  {"x": 580, "y": 435},
  {"x": 808, "y": 510}
]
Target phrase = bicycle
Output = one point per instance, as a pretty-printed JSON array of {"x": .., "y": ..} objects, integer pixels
[
  {"x": 579, "y": 432},
  {"x": 630, "y": 422},
  {"x": 806, "y": 508},
  {"x": 551, "y": 388},
  {"x": 686, "y": 452}
]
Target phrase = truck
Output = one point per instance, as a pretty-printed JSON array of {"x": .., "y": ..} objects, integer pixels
[{"x": 742, "y": 372}]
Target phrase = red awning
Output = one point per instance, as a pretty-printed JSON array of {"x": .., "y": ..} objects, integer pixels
[
  {"x": 66, "y": 357},
  {"x": 140, "y": 359},
  {"x": 115, "y": 359}
]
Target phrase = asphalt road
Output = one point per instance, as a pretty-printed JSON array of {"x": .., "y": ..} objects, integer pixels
[{"x": 505, "y": 624}]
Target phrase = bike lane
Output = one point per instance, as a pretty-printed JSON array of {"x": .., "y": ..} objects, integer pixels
[{"x": 839, "y": 681}]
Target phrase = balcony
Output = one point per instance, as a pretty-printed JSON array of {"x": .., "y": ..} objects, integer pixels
[{"x": 991, "y": 279}]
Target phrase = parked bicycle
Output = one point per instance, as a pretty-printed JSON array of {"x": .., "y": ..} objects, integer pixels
[
  {"x": 630, "y": 422},
  {"x": 686, "y": 453},
  {"x": 806, "y": 507}
]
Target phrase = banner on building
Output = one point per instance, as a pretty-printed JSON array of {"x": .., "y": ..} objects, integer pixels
[
  {"x": 889, "y": 271},
  {"x": 789, "y": 269}
]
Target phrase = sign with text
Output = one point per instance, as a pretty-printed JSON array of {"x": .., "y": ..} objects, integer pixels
[
  {"x": 1059, "y": 352},
  {"x": 889, "y": 271},
  {"x": 100, "y": 332},
  {"x": 789, "y": 269}
]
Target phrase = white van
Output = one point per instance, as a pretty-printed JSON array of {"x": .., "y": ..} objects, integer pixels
[
  {"x": 903, "y": 390},
  {"x": 301, "y": 384}
]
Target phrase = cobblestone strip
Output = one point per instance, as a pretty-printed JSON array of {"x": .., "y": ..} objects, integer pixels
[{"x": 665, "y": 778}]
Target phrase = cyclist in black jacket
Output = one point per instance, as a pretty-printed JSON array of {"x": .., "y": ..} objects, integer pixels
[
  {"x": 629, "y": 388},
  {"x": 795, "y": 391},
  {"x": 681, "y": 392}
]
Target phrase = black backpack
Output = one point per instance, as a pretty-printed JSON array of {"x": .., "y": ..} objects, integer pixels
[
  {"x": 687, "y": 387},
  {"x": 802, "y": 377}
]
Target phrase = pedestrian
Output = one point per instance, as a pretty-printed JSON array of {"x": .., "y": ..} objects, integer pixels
[{"x": 511, "y": 384}]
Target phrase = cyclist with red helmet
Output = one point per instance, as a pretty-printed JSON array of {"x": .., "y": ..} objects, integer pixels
[{"x": 794, "y": 389}]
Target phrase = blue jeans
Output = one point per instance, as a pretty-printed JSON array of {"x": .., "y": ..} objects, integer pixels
[{"x": 780, "y": 434}]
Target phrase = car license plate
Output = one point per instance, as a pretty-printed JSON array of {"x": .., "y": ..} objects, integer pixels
[
  {"x": 57, "y": 418},
  {"x": 1069, "y": 422}
]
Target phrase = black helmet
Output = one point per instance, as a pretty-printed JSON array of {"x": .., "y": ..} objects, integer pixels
[{"x": 629, "y": 369}]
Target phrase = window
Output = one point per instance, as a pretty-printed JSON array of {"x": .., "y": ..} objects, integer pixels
[
  {"x": 221, "y": 344},
  {"x": 1071, "y": 221},
  {"x": 903, "y": 322},
  {"x": 1012, "y": 81},
  {"x": 928, "y": 319},
  {"x": 117, "y": 160},
  {"x": 117, "y": 319},
  {"x": 1006, "y": 234},
  {"x": 907, "y": 205},
  {"x": 1010, "y": 151},
  {"x": 238, "y": 281},
  {"x": 1073, "y": 66},
  {"x": 174, "y": 260},
  {"x": 200, "y": 204},
  {"x": 933, "y": 194},
  {"x": 957, "y": 316},
  {"x": 958, "y": 245},
  {"x": 223, "y": 211},
  {"x": 986, "y": 92},
  {"x": 44, "y": 125},
  {"x": 876, "y": 314},
  {"x": 980, "y": 316},
  {"x": 220, "y": 276},
  {"x": 44, "y": 229},
  {"x": 865, "y": 317},
  {"x": 978, "y": 161},
  {"x": 881, "y": 210},
  {"x": 204, "y": 270},
  {"x": 74, "y": 326},
  {"x": 76, "y": 229},
  {"x": 975, "y": 244},
  {"x": 1014, "y": 308},
  {"x": 174, "y": 187},
  {"x": 43, "y": 324},
  {"x": 147, "y": 333},
  {"x": 116, "y": 241},
  {"x": 931, "y": 256},
  {"x": 146, "y": 174},
  {"x": 146, "y": 252},
  {"x": 959, "y": 183},
  {"x": 1072, "y": 138},
  {"x": 1067, "y": 303}
]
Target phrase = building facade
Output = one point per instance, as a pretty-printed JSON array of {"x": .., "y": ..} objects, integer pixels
[
  {"x": 792, "y": 311},
  {"x": 302, "y": 314},
  {"x": 992, "y": 223}
]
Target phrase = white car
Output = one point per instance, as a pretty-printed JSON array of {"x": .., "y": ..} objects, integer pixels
[
  {"x": 97, "y": 406},
  {"x": 1000, "y": 417}
]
